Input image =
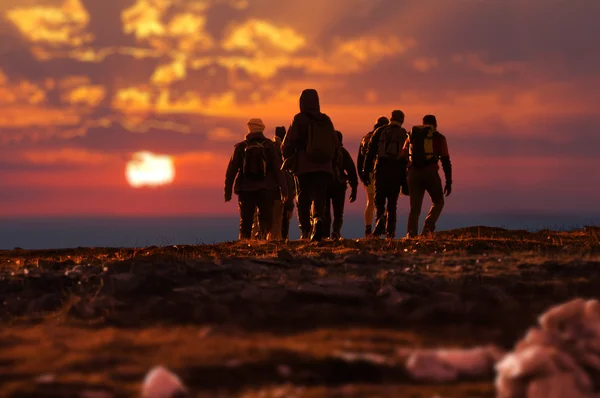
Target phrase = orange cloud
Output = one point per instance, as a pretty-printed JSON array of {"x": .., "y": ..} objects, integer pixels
[
  {"x": 476, "y": 62},
  {"x": 152, "y": 21},
  {"x": 86, "y": 95},
  {"x": 262, "y": 36},
  {"x": 69, "y": 156},
  {"x": 133, "y": 99},
  {"x": 425, "y": 64},
  {"x": 62, "y": 25},
  {"x": 222, "y": 134},
  {"x": 167, "y": 74}
]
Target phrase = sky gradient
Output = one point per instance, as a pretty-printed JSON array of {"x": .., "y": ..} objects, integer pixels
[{"x": 86, "y": 83}]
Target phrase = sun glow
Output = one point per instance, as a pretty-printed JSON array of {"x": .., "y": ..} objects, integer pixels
[{"x": 148, "y": 169}]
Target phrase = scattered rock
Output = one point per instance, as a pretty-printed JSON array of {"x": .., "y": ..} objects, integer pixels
[
  {"x": 161, "y": 383},
  {"x": 448, "y": 365},
  {"x": 560, "y": 358}
]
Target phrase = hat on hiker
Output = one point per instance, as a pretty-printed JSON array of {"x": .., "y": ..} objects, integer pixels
[{"x": 256, "y": 126}]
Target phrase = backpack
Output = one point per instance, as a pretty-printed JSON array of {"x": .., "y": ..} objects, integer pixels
[
  {"x": 320, "y": 143},
  {"x": 391, "y": 141},
  {"x": 421, "y": 146},
  {"x": 255, "y": 160}
]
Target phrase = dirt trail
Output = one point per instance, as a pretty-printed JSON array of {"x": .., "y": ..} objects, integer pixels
[{"x": 273, "y": 320}]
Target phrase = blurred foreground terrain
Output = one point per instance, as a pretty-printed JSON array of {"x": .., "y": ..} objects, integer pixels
[{"x": 272, "y": 320}]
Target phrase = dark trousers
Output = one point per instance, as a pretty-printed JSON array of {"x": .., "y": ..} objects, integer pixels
[
  {"x": 312, "y": 191},
  {"x": 336, "y": 198},
  {"x": 421, "y": 181},
  {"x": 288, "y": 212},
  {"x": 388, "y": 182},
  {"x": 248, "y": 202}
]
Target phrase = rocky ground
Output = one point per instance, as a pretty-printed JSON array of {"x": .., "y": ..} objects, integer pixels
[{"x": 278, "y": 320}]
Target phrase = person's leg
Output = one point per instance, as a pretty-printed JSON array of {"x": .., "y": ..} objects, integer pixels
[
  {"x": 328, "y": 219},
  {"x": 392, "y": 204},
  {"x": 381, "y": 193},
  {"x": 247, "y": 208},
  {"x": 338, "y": 200},
  {"x": 275, "y": 231},
  {"x": 255, "y": 225},
  {"x": 436, "y": 193},
  {"x": 304, "y": 204},
  {"x": 370, "y": 207},
  {"x": 319, "y": 184},
  {"x": 264, "y": 202},
  {"x": 288, "y": 213},
  {"x": 417, "y": 192}
]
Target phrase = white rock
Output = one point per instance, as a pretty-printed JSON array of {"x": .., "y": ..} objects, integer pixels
[
  {"x": 562, "y": 385},
  {"x": 161, "y": 383},
  {"x": 427, "y": 366},
  {"x": 531, "y": 361},
  {"x": 450, "y": 364}
]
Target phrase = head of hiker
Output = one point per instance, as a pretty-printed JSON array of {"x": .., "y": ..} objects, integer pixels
[
  {"x": 280, "y": 132},
  {"x": 429, "y": 120},
  {"x": 339, "y": 136},
  {"x": 255, "y": 126},
  {"x": 381, "y": 121},
  {"x": 397, "y": 116},
  {"x": 309, "y": 101}
]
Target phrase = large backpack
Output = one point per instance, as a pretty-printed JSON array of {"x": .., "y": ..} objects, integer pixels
[
  {"x": 391, "y": 141},
  {"x": 320, "y": 142},
  {"x": 364, "y": 143},
  {"x": 421, "y": 146},
  {"x": 255, "y": 160}
]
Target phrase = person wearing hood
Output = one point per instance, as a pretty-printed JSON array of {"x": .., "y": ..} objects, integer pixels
[
  {"x": 255, "y": 166},
  {"x": 310, "y": 149},
  {"x": 369, "y": 188},
  {"x": 384, "y": 155},
  {"x": 336, "y": 195}
]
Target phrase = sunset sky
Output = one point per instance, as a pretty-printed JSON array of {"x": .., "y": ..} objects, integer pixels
[{"x": 86, "y": 83}]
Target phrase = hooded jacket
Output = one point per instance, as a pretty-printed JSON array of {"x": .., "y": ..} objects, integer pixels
[
  {"x": 275, "y": 179},
  {"x": 294, "y": 144}
]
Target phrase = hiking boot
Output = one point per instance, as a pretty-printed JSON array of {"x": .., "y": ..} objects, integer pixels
[
  {"x": 368, "y": 231},
  {"x": 379, "y": 227},
  {"x": 335, "y": 236},
  {"x": 317, "y": 230}
]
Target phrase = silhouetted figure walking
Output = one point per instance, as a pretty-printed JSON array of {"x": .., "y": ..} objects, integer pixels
[
  {"x": 384, "y": 156},
  {"x": 255, "y": 166},
  {"x": 424, "y": 147},
  {"x": 369, "y": 188},
  {"x": 345, "y": 172},
  {"x": 310, "y": 149}
]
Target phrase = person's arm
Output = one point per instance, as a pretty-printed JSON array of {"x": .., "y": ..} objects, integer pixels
[
  {"x": 232, "y": 170},
  {"x": 289, "y": 145},
  {"x": 360, "y": 159},
  {"x": 350, "y": 169},
  {"x": 446, "y": 165},
  {"x": 371, "y": 153}
]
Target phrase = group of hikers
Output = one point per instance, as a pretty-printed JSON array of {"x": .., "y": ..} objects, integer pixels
[{"x": 310, "y": 164}]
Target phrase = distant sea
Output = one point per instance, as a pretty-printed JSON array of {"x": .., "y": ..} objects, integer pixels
[{"x": 53, "y": 233}]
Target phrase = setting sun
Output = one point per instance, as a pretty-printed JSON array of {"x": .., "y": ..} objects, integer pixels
[{"x": 148, "y": 169}]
